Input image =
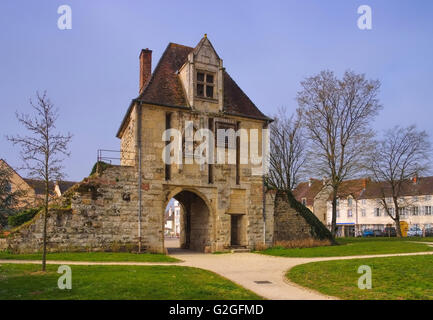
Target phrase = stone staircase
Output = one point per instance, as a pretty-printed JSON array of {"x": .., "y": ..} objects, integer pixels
[{"x": 239, "y": 249}]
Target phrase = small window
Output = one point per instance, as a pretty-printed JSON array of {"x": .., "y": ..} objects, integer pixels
[
  {"x": 349, "y": 213},
  {"x": 349, "y": 202},
  {"x": 205, "y": 85},
  {"x": 8, "y": 187},
  {"x": 415, "y": 211},
  {"x": 304, "y": 201},
  {"x": 427, "y": 210},
  {"x": 377, "y": 212},
  {"x": 200, "y": 90},
  {"x": 363, "y": 212}
]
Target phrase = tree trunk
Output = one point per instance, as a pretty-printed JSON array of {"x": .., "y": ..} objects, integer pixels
[
  {"x": 397, "y": 218},
  {"x": 334, "y": 214},
  {"x": 44, "y": 252}
]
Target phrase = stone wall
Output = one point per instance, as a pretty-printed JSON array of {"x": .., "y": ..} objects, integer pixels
[
  {"x": 102, "y": 217},
  {"x": 288, "y": 223}
]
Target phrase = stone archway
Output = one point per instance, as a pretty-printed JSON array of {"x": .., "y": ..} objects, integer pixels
[{"x": 196, "y": 221}]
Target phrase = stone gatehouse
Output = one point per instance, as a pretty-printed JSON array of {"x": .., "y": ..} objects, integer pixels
[{"x": 224, "y": 205}]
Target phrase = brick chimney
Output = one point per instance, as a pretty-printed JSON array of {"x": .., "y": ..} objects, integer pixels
[{"x": 145, "y": 68}]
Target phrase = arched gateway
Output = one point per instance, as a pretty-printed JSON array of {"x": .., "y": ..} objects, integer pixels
[{"x": 196, "y": 221}]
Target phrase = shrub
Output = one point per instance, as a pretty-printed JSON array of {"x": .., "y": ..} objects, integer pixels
[
  {"x": 22, "y": 217},
  {"x": 102, "y": 166}
]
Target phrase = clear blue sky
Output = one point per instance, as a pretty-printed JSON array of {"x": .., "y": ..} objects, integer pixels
[{"x": 268, "y": 47}]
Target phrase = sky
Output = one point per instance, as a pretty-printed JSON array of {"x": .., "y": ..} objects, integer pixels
[{"x": 91, "y": 72}]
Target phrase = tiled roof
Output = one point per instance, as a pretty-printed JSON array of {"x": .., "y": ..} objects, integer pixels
[
  {"x": 39, "y": 186},
  {"x": 423, "y": 186},
  {"x": 165, "y": 87},
  {"x": 65, "y": 185},
  {"x": 308, "y": 191},
  {"x": 354, "y": 188}
]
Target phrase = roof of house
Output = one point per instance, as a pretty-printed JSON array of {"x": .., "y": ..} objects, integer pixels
[
  {"x": 165, "y": 88},
  {"x": 422, "y": 186},
  {"x": 354, "y": 188},
  {"x": 39, "y": 186},
  {"x": 308, "y": 190},
  {"x": 65, "y": 185}
]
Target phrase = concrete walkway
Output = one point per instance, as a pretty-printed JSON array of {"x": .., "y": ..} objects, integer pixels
[{"x": 262, "y": 274}]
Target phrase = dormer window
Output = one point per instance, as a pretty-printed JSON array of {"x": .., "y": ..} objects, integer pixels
[{"x": 205, "y": 84}]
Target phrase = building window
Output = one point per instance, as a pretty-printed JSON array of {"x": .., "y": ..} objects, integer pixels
[
  {"x": 415, "y": 198},
  {"x": 8, "y": 187},
  {"x": 427, "y": 210},
  {"x": 427, "y": 197},
  {"x": 415, "y": 211},
  {"x": 304, "y": 201},
  {"x": 363, "y": 212},
  {"x": 363, "y": 201},
  {"x": 349, "y": 202},
  {"x": 205, "y": 84},
  {"x": 389, "y": 200},
  {"x": 349, "y": 213},
  {"x": 391, "y": 211},
  {"x": 377, "y": 212},
  {"x": 338, "y": 213}
]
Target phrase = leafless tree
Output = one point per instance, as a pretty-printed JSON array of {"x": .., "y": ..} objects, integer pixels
[
  {"x": 403, "y": 154},
  {"x": 42, "y": 149},
  {"x": 337, "y": 114},
  {"x": 287, "y": 151},
  {"x": 287, "y": 156}
]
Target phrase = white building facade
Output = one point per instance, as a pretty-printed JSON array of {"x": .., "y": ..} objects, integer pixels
[{"x": 364, "y": 209}]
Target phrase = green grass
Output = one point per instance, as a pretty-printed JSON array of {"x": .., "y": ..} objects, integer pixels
[
  {"x": 92, "y": 256},
  {"x": 25, "y": 281},
  {"x": 355, "y": 246},
  {"x": 393, "y": 278}
]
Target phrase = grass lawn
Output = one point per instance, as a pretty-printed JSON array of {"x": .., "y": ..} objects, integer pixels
[
  {"x": 25, "y": 281},
  {"x": 356, "y": 246},
  {"x": 393, "y": 278},
  {"x": 92, "y": 256}
]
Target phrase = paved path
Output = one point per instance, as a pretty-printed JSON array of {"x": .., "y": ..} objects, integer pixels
[{"x": 242, "y": 268}]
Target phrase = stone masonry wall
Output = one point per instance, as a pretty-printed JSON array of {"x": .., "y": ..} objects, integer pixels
[
  {"x": 102, "y": 217},
  {"x": 288, "y": 224}
]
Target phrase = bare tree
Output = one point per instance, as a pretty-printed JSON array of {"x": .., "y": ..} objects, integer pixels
[
  {"x": 287, "y": 156},
  {"x": 403, "y": 154},
  {"x": 287, "y": 151},
  {"x": 337, "y": 115},
  {"x": 42, "y": 149}
]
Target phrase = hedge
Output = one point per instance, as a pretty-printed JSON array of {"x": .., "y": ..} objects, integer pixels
[{"x": 22, "y": 217}]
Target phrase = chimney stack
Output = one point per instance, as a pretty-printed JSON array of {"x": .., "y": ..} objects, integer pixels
[{"x": 145, "y": 68}]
